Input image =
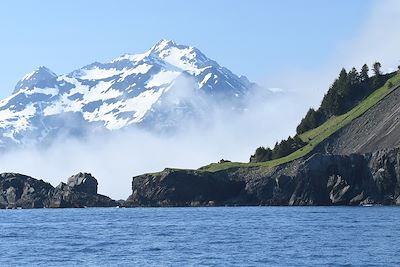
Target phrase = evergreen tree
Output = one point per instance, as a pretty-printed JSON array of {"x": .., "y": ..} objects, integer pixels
[
  {"x": 377, "y": 81},
  {"x": 377, "y": 69},
  {"x": 342, "y": 80},
  {"x": 312, "y": 120},
  {"x": 354, "y": 77},
  {"x": 364, "y": 73},
  {"x": 282, "y": 149},
  {"x": 262, "y": 154}
]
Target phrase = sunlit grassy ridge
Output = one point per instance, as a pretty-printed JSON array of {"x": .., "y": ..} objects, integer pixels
[{"x": 317, "y": 135}]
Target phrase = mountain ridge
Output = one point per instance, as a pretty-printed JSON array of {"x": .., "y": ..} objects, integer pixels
[{"x": 132, "y": 89}]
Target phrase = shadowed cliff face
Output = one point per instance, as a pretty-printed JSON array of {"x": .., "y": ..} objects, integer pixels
[
  {"x": 318, "y": 180},
  {"x": 183, "y": 188},
  {"x": 17, "y": 190}
]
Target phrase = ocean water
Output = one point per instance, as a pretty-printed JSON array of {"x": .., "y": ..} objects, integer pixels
[{"x": 228, "y": 236}]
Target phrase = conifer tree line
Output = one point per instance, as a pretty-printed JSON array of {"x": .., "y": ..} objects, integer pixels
[
  {"x": 284, "y": 148},
  {"x": 345, "y": 93}
]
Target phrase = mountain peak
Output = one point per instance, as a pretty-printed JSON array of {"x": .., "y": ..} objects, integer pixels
[
  {"x": 153, "y": 90},
  {"x": 41, "y": 73},
  {"x": 163, "y": 44},
  {"x": 160, "y": 46}
]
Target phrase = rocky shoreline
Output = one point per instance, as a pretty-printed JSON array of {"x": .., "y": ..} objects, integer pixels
[
  {"x": 321, "y": 179},
  {"x": 21, "y": 191}
]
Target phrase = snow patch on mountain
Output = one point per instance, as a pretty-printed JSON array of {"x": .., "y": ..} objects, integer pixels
[
  {"x": 128, "y": 90},
  {"x": 162, "y": 78}
]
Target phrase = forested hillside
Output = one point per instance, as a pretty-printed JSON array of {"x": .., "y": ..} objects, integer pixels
[{"x": 346, "y": 92}]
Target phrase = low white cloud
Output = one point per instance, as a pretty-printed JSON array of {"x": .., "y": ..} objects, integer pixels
[
  {"x": 378, "y": 39},
  {"x": 115, "y": 157}
]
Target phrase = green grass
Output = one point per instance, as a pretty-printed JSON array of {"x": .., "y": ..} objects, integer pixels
[
  {"x": 160, "y": 172},
  {"x": 317, "y": 135}
]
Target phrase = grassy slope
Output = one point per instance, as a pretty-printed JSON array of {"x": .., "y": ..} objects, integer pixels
[{"x": 317, "y": 135}]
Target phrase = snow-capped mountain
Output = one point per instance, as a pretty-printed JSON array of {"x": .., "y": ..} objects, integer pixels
[{"x": 158, "y": 86}]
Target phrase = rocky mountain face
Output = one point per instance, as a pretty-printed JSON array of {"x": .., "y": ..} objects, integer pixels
[
  {"x": 165, "y": 85},
  {"x": 21, "y": 191},
  {"x": 30, "y": 80},
  {"x": 322, "y": 179}
]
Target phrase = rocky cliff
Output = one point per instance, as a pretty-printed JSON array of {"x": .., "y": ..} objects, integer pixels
[
  {"x": 322, "y": 179},
  {"x": 21, "y": 191}
]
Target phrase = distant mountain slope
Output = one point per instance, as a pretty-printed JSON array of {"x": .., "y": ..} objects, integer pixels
[{"x": 156, "y": 89}]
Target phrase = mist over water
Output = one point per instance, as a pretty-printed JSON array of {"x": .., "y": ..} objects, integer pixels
[{"x": 115, "y": 157}]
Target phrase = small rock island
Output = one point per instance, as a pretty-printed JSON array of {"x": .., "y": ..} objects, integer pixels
[{"x": 21, "y": 191}]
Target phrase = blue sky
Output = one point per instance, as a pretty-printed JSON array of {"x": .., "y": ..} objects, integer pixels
[{"x": 256, "y": 38}]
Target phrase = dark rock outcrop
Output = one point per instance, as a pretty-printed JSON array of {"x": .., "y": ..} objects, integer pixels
[
  {"x": 319, "y": 180},
  {"x": 79, "y": 191},
  {"x": 183, "y": 188},
  {"x": 83, "y": 182},
  {"x": 21, "y": 191},
  {"x": 78, "y": 196}
]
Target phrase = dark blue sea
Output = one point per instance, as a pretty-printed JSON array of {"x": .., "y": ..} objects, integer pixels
[{"x": 237, "y": 236}]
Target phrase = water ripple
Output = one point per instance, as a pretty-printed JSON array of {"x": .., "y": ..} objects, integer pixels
[{"x": 240, "y": 236}]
